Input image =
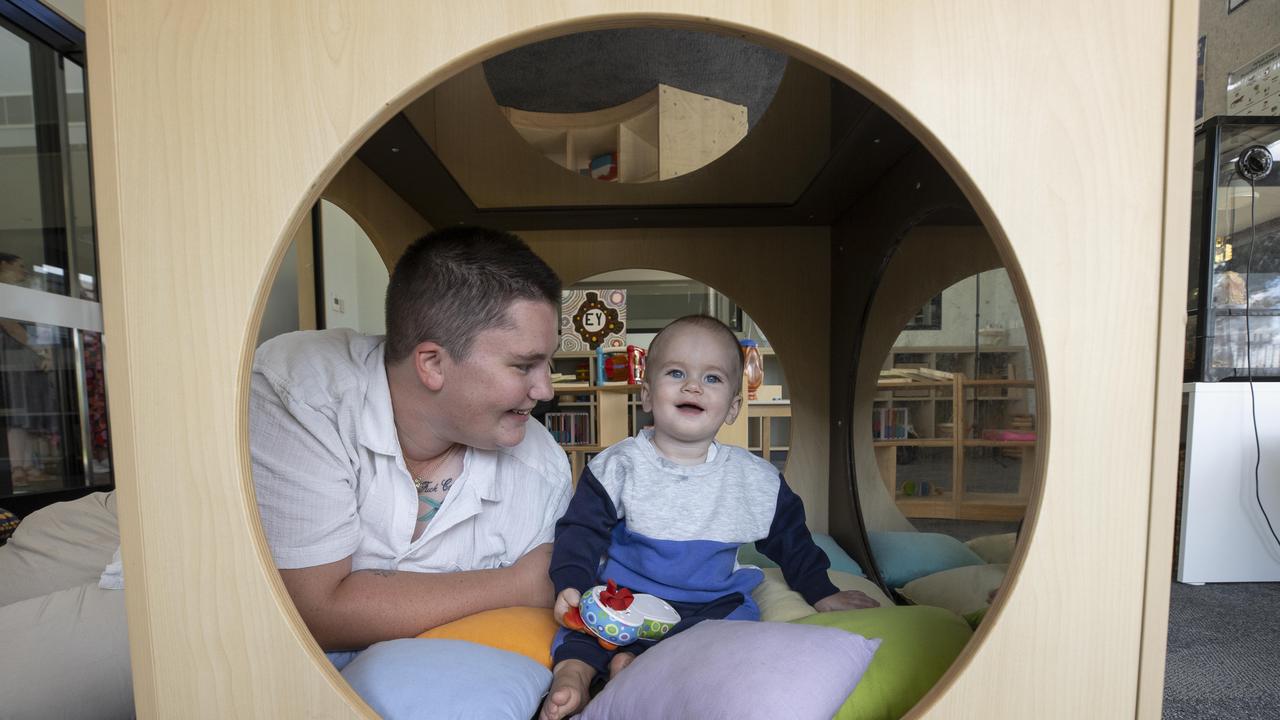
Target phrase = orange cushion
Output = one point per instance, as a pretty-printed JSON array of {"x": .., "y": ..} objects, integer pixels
[{"x": 524, "y": 630}]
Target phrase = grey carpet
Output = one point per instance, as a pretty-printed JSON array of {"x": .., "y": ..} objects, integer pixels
[{"x": 1224, "y": 652}]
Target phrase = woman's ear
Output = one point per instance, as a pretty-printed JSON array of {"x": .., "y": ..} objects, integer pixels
[{"x": 430, "y": 361}]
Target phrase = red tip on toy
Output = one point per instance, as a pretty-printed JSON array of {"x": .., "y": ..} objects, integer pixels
[
  {"x": 615, "y": 597},
  {"x": 573, "y": 620}
]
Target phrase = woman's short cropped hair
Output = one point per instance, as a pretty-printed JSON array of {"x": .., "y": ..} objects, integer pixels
[{"x": 452, "y": 283}]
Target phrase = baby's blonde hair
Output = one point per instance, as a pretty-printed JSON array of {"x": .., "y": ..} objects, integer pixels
[{"x": 705, "y": 322}]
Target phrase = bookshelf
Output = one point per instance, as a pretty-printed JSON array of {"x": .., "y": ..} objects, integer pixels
[
  {"x": 976, "y": 464},
  {"x": 615, "y": 412},
  {"x": 665, "y": 133}
]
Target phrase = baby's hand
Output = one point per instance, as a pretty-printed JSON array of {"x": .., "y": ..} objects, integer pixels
[
  {"x": 845, "y": 600},
  {"x": 567, "y": 599}
]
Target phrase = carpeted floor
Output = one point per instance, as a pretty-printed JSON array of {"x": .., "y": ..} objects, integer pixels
[
  {"x": 1223, "y": 656},
  {"x": 1224, "y": 652}
]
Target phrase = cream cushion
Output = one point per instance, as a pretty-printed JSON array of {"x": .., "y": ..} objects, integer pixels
[{"x": 779, "y": 603}]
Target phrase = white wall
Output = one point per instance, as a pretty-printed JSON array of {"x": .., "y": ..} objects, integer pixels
[
  {"x": 354, "y": 277},
  {"x": 1232, "y": 41},
  {"x": 281, "y": 313}
]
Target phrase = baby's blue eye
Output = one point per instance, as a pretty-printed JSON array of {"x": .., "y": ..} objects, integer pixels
[
  {"x": 712, "y": 379},
  {"x": 676, "y": 374}
]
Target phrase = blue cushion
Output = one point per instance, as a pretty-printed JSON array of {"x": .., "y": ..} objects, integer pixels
[
  {"x": 441, "y": 679},
  {"x": 905, "y": 556},
  {"x": 840, "y": 560}
]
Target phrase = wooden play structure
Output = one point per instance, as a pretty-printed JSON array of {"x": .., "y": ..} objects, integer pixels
[{"x": 1066, "y": 128}]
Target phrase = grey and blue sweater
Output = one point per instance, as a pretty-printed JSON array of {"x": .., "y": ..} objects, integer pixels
[{"x": 672, "y": 530}]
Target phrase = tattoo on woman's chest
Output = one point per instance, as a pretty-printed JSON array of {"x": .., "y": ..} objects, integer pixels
[{"x": 432, "y": 487}]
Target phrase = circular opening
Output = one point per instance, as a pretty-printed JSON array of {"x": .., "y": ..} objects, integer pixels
[
  {"x": 774, "y": 223},
  {"x": 635, "y": 105},
  {"x": 952, "y": 427}
]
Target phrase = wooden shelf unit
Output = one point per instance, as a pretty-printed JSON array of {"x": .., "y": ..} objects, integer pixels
[
  {"x": 664, "y": 133},
  {"x": 616, "y": 413},
  {"x": 956, "y": 502}
]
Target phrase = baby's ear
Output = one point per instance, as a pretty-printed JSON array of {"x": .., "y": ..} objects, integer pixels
[
  {"x": 734, "y": 407},
  {"x": 646, "y": 403}
]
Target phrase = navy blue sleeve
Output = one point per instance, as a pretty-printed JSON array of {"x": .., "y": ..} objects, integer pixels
[
  {"x": 582, "y": 535},
  {"x": 789, "y": 544}
]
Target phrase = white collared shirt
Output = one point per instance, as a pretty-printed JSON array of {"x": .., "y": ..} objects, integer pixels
[{"x": 331, "y": 480}]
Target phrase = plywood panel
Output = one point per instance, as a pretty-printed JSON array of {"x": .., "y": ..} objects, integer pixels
[
  {"x": 217, "y": 123},
  {"x": 382, "y": 214}
]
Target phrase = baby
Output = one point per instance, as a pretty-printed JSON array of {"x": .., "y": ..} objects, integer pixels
[{"x": 667, "y": 509}]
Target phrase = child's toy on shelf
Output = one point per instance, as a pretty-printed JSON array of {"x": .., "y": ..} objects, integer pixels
[{"x": 617, "y": 617}]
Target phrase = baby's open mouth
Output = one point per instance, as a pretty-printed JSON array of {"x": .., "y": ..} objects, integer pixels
[{"x": 689, "y": 407}]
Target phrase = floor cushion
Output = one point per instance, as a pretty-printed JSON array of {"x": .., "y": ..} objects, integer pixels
[
  {"x": 735, "y": 669},
  {"x": 524, "y": 630},
  {"x": 918, "y": 644},
  {"x": 779, "y": 603},
  {"x": 963, "y": 590},
  {"x": 905, "y": 556},
  {"x": 66, "y": 655}
]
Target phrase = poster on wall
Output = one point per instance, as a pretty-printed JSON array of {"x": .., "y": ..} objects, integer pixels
[
  {"x": 1255, "y": 88},
  {"x": 591, "y": 319}
]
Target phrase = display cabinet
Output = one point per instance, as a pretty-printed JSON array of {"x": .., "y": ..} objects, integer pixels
[{"x": 1233, "y": 289}]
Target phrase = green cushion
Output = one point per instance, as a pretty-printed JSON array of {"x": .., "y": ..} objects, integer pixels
[{"x": 919, "y": 645}]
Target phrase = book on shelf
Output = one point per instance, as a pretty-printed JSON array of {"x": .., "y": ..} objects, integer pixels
[
  {"x": 890, "y": 423},
  {"x": 570, "y": 428}
]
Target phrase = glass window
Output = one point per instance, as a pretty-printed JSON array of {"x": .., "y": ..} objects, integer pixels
[
  {"x": 53, "y": 409},
  {"x": 40, "y": 408},
  {"x": 80, "y": 198}
]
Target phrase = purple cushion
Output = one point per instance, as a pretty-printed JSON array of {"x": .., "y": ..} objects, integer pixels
[{"x": 736, "y": 669}]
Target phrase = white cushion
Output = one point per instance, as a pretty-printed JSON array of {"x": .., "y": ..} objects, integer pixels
[
  {"x": 66, "y": 655},
  {"x": 61, "y": 546}
]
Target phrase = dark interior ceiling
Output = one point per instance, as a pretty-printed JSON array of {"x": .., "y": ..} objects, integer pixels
[{"x": 589, "y": 71}]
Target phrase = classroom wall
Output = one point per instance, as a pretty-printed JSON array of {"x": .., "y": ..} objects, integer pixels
[{"x": 1232, "y": 41}]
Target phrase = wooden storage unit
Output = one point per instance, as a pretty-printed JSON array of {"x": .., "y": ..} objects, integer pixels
[
  {"x": 956, "y": 501},
  {"x": 660, "y": 135},
  {"x": 187, "y": 254},
  {"x": 616, "y": 412}
]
